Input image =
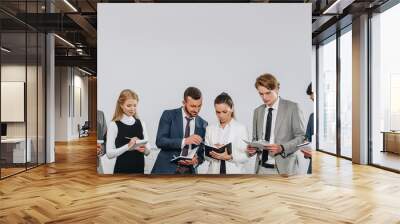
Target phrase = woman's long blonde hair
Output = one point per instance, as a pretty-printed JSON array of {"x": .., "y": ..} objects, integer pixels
[{"x": 123, "y": 96}]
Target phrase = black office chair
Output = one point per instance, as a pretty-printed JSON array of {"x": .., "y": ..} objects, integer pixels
[{"x": 84, "y": 130}]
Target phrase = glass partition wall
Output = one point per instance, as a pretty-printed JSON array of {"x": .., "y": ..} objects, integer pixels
[{"x": 22, "y": 77}]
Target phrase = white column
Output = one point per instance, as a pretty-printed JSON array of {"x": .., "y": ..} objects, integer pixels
[{"x": 50, "y": 94}]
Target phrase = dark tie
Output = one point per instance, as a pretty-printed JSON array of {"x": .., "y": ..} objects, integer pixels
[
  {"x": 264, "y": 157},
  {"x": 185, "y": 149},
  {"x": 222, "y": 167}
]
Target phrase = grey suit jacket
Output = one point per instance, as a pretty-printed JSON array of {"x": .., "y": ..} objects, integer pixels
[
  {"x": 289, "y": 132},
  {"x": 101, "y": 129}
]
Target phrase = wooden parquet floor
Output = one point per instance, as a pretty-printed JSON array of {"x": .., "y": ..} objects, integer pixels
[{"x": 70, "y": 191}]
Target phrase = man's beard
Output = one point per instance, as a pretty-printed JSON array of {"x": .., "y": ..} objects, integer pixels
[{"x": 188, "y": 113}]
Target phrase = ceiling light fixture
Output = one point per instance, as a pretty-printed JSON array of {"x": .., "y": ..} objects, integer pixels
[
  {"x": 5, "y": 50},
  {"x": 64, "y": 40},
  {"x": 84, "y": 71},
  {"x": 337, "y": 7},
  {"x": 70, "y": 5},
  {"x": 329, "y": 9}
]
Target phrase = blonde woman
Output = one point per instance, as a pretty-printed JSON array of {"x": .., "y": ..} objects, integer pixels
[{"x": 124, "y": 132}]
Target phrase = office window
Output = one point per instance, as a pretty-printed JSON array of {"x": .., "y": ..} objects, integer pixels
[
  {"x": 385, "y": 88},
  {"x": 327, "y": 96},
  {"x": 346, "y": 93}
]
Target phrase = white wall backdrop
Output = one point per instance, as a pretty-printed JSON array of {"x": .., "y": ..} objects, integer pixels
[{"x": 158, "y": 50}]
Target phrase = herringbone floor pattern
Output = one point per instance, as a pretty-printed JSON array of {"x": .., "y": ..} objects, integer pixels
[{"x": 70, "y": 191}]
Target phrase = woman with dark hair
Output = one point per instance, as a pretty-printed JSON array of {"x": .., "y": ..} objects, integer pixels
[
  {"x": 310, "y": 123},
  {"x": 309, "y": 130},
  {"x": 226, "y": 131}
]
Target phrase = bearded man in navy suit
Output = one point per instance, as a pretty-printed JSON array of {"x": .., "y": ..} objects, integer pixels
[{"x": 179, "y": 131}]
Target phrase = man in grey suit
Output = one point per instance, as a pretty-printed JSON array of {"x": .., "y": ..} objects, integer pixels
[
  {"x": 101, "y": 132},
  {"x": 280, "y": 122},
  {"x": 101, "y": 135}
]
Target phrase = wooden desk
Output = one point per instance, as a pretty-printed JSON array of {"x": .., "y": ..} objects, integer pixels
[
  {"x": 391, "y": 142},
  {"x": 13, "y": 150}
]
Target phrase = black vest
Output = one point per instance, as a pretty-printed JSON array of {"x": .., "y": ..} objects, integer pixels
[{"x": 129, "y": 161}]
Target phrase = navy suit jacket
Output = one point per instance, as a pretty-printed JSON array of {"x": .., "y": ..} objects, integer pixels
[
  {"x": 169, "y": 140},
  {"x": 310, "y": 128}
]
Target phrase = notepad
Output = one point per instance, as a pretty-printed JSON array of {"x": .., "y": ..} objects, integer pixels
[
  {"x": 227, "y": 147},
  {"x": 260, "y": 144},
  {"x": 138, "y": 143},
  {"x": 190, "y": 156},
  {"x": 179, "y": 158}
]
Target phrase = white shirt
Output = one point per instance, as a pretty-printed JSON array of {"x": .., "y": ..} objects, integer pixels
[
  {"x": 223, "y": 133},
  {"x": 234, "y": 133},
  {"x": 112, "y": 133},
  {"x": 191, "y": 125},
  {"x": 274, "y": 112}
]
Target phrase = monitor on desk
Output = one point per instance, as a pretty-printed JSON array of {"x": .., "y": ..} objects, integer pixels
[{"x": 3, "y": 130}]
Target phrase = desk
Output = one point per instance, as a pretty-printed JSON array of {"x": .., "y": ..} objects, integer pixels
[
  {"x": 16, "y": 147},
  {"x": 391, "y": 142}
]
